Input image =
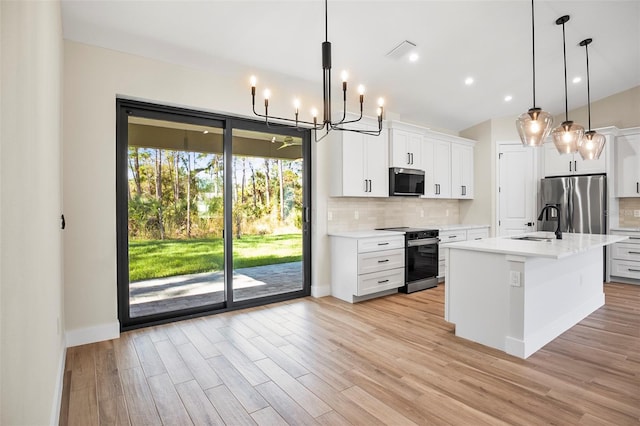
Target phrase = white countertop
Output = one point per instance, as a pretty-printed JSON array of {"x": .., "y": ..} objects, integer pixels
[
  {"x": 569, "y": 244},
  {"x": 366, "y": 234}
]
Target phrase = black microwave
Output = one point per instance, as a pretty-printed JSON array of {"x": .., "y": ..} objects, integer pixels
[{"x": 406, "y": 181}]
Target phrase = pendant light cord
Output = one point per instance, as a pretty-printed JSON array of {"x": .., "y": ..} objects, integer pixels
[
  {"x": 326, "y": 22},
  {"x": 566, "y": 101},
  {"x": 533, "y": 49},
  {"x": 586, "y": 48}
]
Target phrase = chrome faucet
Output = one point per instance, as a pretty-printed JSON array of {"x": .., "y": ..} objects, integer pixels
[{"x": 545, "y": 209}]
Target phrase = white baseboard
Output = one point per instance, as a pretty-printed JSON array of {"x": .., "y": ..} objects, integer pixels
[
  {"x": 57, "y": 394},
  {"x": 320, "y": 290},
  {"x": 98, "y": 333}
]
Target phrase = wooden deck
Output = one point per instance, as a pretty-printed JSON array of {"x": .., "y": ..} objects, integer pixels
[{"x": 392, "y": 360}]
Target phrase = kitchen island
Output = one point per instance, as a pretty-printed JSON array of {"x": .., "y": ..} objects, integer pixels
[{"x": 518, "y": 293}]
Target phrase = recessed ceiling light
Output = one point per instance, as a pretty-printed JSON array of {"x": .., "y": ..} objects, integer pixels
[
  {"x": 413, "y": 57},
  {"x": 468, "y": 81},
  {"x": 508, "y": 98},
  {"x": 577, "y": 80}
]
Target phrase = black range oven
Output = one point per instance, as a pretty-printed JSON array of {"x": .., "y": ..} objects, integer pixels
[{"x": 421, "y": 258}]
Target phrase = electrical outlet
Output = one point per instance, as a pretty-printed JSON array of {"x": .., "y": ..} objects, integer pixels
[
  {"x": 514, "y": 278},
  {"x": 329, "y": 215},
  {"x": 636, "y": 213},
  {"x": 356, "y": 215}
]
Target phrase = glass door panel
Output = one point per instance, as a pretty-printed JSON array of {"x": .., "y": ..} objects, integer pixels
[
  {"x": 175, "y": 216},
  {"x": 267, "y": 214}
]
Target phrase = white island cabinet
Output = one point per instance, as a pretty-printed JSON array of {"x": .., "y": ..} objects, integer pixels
[
  {"x": 517, "y": 295},
  {"x": 366, "y": 264}
]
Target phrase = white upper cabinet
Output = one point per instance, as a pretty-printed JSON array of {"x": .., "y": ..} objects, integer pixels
[
  {"x": 556, "y": 164},
  {"x": 461, "y": 171},
  {"x": 405, "y": 149},
  {"x": 360, "y": 164},
  {"x": 437, "y": 163},
  {"x": 627, "y": 163}
]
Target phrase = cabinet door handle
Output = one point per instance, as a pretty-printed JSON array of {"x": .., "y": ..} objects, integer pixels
[
  {"x": 464, "y": 190},
  {"x": 383, "y": 281},
  {"x": 637, "y": 187},
  {"x": 634, "y": 238},
  {"x": 408, "y": 158},
  {"x": 412, "y": 158},
  {"x": 383, "y": 244},
  {"x": 383, "y": 261},
  {"x": 570, "y": 166},
  {"x": 437, "y": 189},
  {"x": 633, "y": 270},
  {"x": 634, "y": 252},
  {"x": 575, "y": 165},
  {"x": 452, "y": 236}
]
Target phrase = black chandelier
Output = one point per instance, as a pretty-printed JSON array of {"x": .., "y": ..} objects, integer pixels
[{"x": 326, "y": 123}]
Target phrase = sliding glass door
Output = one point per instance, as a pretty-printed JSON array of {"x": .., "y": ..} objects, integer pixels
[
  {"x": 267, "y": 215},
  {"x": 186, "y": 177}
]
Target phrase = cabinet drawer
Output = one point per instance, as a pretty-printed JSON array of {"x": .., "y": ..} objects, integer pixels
[
  {"x": 380, "y": 243},
  {"x": 625, "y": 268},
  {"x": 380, "y": 261},
  {"x": 625, "y": 251},
  {"x": 379, "y": 281},
  {"x": 634, "y": 237},
  {"x": 477, "y": 234},
  {"x": 452, "y": 236}
]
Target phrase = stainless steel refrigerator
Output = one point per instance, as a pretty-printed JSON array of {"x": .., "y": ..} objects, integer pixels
[{"x": 582, "y": 201}]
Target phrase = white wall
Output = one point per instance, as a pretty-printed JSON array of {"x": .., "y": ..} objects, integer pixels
[
  {"x": 93, "y": 77},
  {"x": 31, "y": 284}
]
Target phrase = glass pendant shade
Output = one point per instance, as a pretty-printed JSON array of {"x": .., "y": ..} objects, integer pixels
[
  {"x": 534, "y": 126},
  {"x": 567, "y": 137},
  {"x": 592, "y": 145}
]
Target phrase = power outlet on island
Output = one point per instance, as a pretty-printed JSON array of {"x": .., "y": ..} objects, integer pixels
[
  {"x": 514, "y": 278},
  {"x": 636, "y": 213}
]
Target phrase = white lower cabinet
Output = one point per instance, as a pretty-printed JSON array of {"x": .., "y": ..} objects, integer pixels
[
  {"x": 366, "y": 266},
  {"x": 625, "y": 257},
  {"x": 453, "y": 235}
]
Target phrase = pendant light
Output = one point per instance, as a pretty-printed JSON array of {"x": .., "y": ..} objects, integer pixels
[
  {"x": 593, "y": 142},
  {"x": 534, "y": 125},
  {"x": 567, "y": 137}
]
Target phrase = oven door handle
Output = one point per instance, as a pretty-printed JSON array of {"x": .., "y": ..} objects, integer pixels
[{"x": 422, "y": 242}]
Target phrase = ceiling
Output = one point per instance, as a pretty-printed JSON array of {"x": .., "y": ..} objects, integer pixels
[{"x": 489, "y": 41}]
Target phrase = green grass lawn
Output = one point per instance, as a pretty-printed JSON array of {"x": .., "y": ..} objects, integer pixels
[{"x": 165, "y": 258}]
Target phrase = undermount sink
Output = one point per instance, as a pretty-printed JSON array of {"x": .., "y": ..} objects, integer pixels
[{"x": 530, "y": 238}]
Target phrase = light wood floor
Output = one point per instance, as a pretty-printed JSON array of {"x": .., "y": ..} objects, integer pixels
[{"x": 392, "y": 360}]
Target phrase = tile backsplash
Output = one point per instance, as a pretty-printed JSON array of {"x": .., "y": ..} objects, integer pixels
[
  {"x": 360, "y": 214},
  {"x": 627, "y": 206}
]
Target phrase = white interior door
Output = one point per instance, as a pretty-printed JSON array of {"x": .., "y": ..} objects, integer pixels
[{"x": 517, "y": 189}]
